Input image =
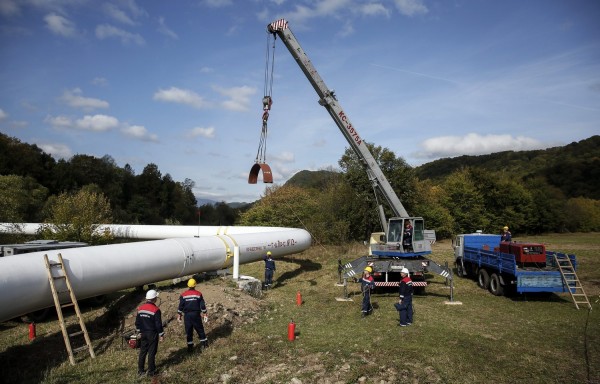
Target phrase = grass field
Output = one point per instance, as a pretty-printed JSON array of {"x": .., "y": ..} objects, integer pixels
[{"x": 525, "y": 339}]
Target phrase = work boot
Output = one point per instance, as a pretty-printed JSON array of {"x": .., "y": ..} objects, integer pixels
[
  {"x": 190, "y": 348},
  {"x": 205, "y": 344}
]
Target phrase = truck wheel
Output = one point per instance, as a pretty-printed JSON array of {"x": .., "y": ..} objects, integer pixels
[
  {"x": 483, "y": 278},
  {"x": 496, "y": 287},
  {"x": 460, "y": 270}
]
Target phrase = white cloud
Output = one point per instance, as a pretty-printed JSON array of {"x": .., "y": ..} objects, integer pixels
[
  {"x": 181, "y": 96},
  {"x": 411, "y": 7},
  {"x": 118, "y": 14},
  {"x": 60, "y": 25},
  {"x": 97, "y": 123},
  {"x": 373, "y": 9},
  {"x": 59, "y": 121},
  {"x": 239, "y": 97},
  {"x": 125, "y": 12},
  {"x": 475, "y": 144},
  {"x": 19, "y": 124},
  {"x": 285, "y": 157},
  {"x": 139, "y": 132},
  {"x": 9, "y": 8},
  {"x": 217, "y": 3},
  {"x": 74, "y": 99},
  {"x": 162, "y": 28},
  {"x": 208, "y": 132},
  {"x": 106, "y": 31},
  {"x": 3, "y": 115},
  {"x": 100, "y": 81},
  {"x": 57, "y": 150}
]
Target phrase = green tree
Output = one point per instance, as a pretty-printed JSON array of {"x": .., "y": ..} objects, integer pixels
[
  {"x": 281, "y": 206},
  {"x": 506, "y": 200},
  {"x": 331, "y": 224},
  {"x": 583, "y": 215},
  {"x": 398, "y": 173},
  {"x": 431, "y": 207},
  {"x": 76, "y": 216},
  {"x": 21, "y": 199},
  {"x": 549, "y": 212},
  {"x": 465, "y": 203},
  {"x": 185, "y": 204}
]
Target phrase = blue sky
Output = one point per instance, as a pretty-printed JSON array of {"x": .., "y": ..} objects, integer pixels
[{"x": 180, "y": 84}]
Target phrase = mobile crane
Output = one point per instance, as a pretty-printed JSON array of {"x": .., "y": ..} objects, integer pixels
[{"x": 391, "y": 250}]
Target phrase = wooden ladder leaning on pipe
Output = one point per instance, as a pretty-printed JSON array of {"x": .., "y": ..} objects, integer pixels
[{"x": 53, "y": 279}]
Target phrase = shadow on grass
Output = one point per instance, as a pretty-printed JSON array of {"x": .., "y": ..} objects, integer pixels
[
  {"x": 31, "y": 362},
  {"x": 511, "y": 294},
  {"x": 304, "y": 266},
  {"x": 176, "y": 357}
]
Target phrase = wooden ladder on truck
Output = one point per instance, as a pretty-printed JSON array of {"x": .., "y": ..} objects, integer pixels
[
  {"x": 567, "y": 271},
  {"x": 53, "y": 278}
]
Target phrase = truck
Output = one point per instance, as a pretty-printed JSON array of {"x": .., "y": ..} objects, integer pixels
[
  {"x": 394, "y": 248},
  {"x": 37, "y": 246},
  {"x": 508, "y": 267}
]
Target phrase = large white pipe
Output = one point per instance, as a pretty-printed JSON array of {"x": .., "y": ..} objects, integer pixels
[
  {"x": 98, "y": 270},
  {"x": 146, "y": 232}
]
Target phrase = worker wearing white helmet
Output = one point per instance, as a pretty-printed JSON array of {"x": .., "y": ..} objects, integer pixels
[
  {"x": 193, "y": 309},
  {"x": 404, "y": 304},
  {"x": 148, "y": 323},
  {"x": 269, "y": 269}
]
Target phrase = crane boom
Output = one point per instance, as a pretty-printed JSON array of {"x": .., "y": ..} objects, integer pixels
[
  {"x": 329, "y": 101},
  {"x": 405, "y": 241}
]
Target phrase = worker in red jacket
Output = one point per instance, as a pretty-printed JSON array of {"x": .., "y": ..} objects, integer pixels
[
  {"x": 193, "y": 309},
  {"x": 404, "y": 304},
  {"x": 148, "y": 322}
]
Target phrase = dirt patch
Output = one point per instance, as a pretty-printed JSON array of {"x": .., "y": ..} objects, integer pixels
[{"x": 227, "y": 307}]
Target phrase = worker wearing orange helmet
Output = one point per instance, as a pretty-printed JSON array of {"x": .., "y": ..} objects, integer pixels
[
  {"x": 505, "y": 235},
  {"x": 193, "y": 309},
  {"x": 366, "y": 284},
  {"x": 269, "y": 269}
]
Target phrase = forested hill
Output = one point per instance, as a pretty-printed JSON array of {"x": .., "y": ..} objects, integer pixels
[{"x": 574, "y": 168}]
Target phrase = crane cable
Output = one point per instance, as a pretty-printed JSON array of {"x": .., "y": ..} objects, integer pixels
[{"x": 267, "y": 100}]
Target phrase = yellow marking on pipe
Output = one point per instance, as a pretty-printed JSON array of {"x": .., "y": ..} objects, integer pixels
[{"x": 228, "y": 252}]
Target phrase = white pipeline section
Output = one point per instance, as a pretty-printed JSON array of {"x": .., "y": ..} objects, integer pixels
[
  {"x": 147, "y": 232},
  {"x": 103, "y": 269}
]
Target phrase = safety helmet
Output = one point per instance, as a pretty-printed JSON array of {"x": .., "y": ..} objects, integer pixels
[
  {"x": 404, "y": 270},
  {"x": 191, "y": 283},
  {"x": 369, "y": 269},
  {"x": 505, "y": 228},
  {"x": 268, "y": 253},
  {"x": 151, "y": 294}
]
